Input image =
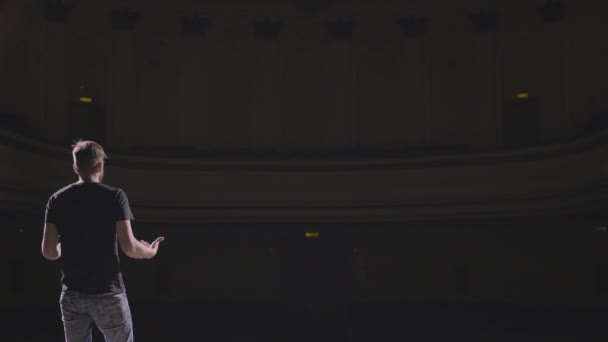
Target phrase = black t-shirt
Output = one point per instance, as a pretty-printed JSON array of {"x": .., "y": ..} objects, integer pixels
[{"x": 86, "y": 215}]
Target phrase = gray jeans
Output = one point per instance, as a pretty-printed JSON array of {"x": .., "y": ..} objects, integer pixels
[{"x": 109, "y": 312}]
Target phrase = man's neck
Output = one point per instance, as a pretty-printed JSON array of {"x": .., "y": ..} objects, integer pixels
[{"x": 88, "y": 180}]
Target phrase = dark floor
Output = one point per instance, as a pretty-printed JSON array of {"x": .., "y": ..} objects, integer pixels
[{"x": 387, "y": 322}]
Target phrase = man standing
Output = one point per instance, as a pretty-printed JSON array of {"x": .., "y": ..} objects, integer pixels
[{"x": 83, "y": 222}]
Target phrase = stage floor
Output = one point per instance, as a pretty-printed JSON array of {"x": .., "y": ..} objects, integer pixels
[{"x": 267, "y": 322}]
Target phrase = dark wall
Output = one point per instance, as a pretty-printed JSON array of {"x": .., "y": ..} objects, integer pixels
[
  {"x": 522, "y": 262},
  {"x": 377, "y": 86}
]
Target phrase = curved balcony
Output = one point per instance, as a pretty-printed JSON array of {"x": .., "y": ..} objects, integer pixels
[{"x": 565, "y": 178}]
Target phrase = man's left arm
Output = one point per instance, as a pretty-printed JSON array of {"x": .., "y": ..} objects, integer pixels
[{"x": 51, "y": 248}]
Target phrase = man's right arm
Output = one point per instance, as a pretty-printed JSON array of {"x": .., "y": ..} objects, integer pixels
[{"x": 130, "y": 246}]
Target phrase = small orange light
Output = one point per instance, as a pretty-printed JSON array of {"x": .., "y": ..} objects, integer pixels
[
  {"x": 311, "y": 235},
  {"x": 86, "y": 99},
  {"x": 521, "y": 96}
]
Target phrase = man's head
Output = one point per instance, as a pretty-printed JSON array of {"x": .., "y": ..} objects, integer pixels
[{"x": 88, "y": 159}]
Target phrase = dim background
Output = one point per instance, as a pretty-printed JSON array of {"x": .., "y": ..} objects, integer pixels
[{"x": 322, "y": 170}]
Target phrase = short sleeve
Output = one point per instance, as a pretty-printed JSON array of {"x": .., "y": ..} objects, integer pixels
[
  {"x": 123, "y": 210},
  {"x": 50, "y": 214}
]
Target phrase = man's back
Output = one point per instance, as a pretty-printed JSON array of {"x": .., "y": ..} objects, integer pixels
[{"x": 85, "y": 215}]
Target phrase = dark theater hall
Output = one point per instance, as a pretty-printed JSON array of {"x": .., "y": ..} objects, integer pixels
[{"x": 304, "y": 170}]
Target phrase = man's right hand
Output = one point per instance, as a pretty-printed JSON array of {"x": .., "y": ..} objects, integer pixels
[
  {"x": 138, "y": 249},
  {"x": 155, "y": 243}
]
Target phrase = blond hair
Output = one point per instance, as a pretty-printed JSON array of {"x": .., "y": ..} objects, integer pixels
[{"x": 87, "y": 154}]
